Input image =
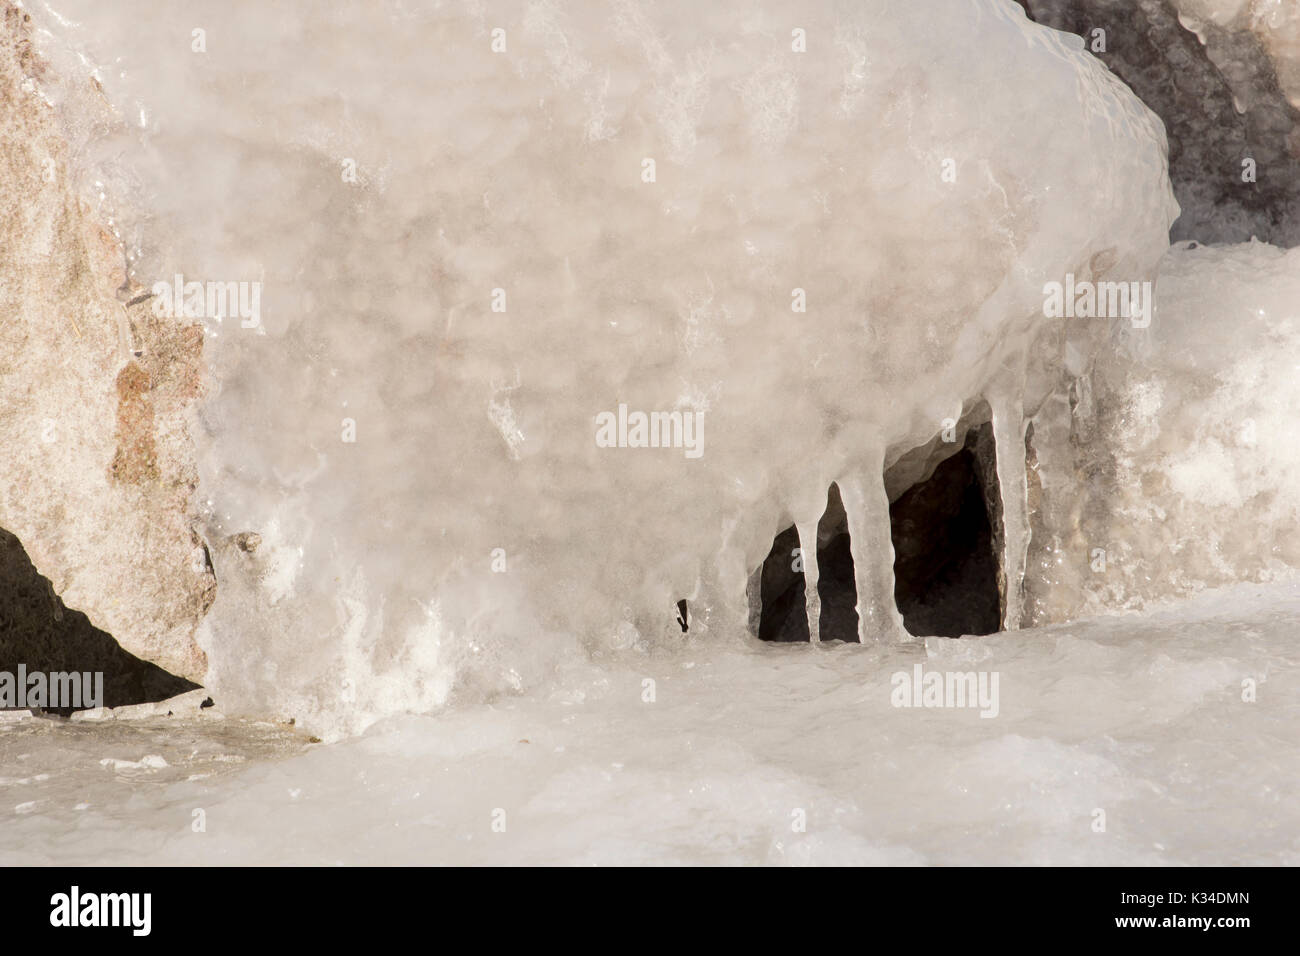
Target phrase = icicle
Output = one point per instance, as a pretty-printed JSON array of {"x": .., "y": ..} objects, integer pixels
[
  {"x": 867, "y": 508},
  {"x": 1009, "y": 442}
]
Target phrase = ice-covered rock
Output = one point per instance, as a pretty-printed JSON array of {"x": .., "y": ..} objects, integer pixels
[
  {"x": 484, "y": 232},
  {"x": 1275, "y": 22},
  {"x": 1222, "y": 75}
]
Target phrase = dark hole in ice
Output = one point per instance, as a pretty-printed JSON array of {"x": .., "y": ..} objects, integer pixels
[
  {"x": 782, "y": 592},
  {"x": 43, "y": 635},
  {"x": 683, "y": 618},
  {"x": 783, "y": 585},
  {"x": 945, "y": 546}
]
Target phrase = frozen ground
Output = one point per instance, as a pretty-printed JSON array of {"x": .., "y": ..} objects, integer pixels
[{"x": 1141, "y": 716}]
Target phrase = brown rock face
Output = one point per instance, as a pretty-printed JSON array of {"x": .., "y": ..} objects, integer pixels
[{"x": 97, "y": 474}]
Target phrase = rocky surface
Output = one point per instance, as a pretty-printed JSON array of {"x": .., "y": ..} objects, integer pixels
[
  {"x": 97, "y": 475},
  {"x": 39, "y": 632}
]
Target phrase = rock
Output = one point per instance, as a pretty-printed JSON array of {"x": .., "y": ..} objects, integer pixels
[
  {"x": 247, "y": 541},
  {"x": 38, "y": 632},
  {"x": 97, "y": 474}
]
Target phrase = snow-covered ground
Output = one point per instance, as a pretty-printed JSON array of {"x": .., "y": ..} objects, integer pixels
[{"x": 1140, "y": 716}]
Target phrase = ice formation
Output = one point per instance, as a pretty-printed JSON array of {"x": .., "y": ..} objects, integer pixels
[
  {"x": 567, "y": 210},
  {"x": 1179, "y": 463},
  {"x": 1275, "y": 22}
]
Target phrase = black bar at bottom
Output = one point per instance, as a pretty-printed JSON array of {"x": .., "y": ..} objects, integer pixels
[{"x": 208, "y": 907}]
